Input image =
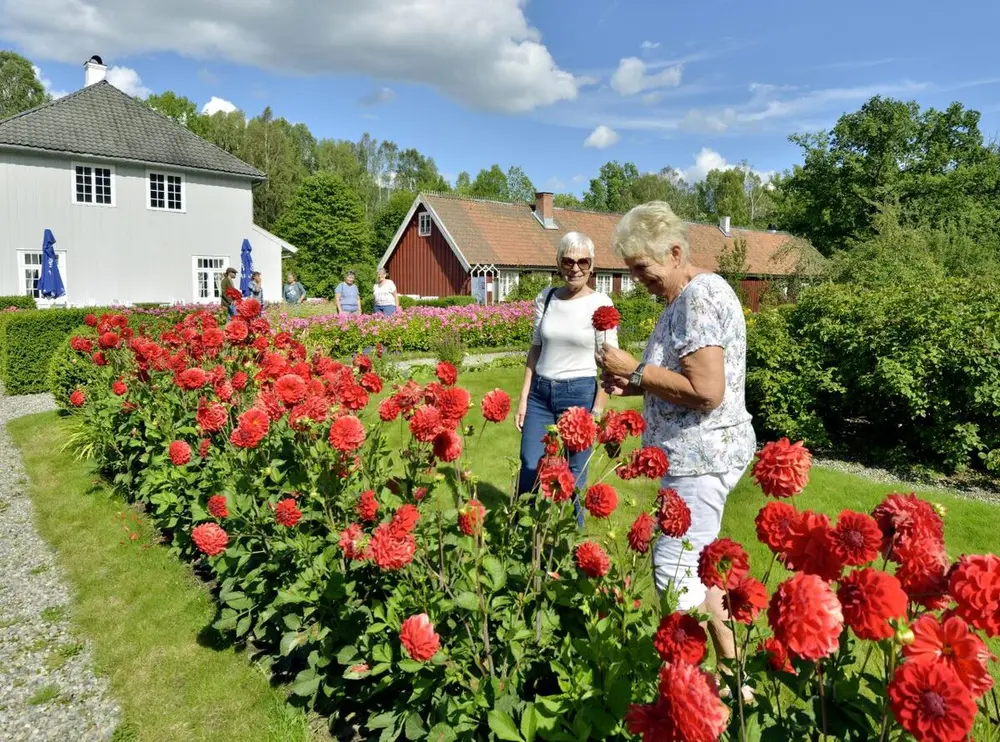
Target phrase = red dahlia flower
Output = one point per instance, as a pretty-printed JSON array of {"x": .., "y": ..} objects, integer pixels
[
  {"x": 192, "y": 378},
  {"x": 209, "y": 538},
  {"x": 291, "y": 389},
  {"x": 81, "y": 345},
  {"x": 577, "y": 429},
  {"x": 870, "y": 599},
  {"x": 496, "y": 406},
  {"x": 388, "y": 409},
  {"x": 806, "y": 616},
  {"x": 471, "y": 517},
  {"x": 211, "y": 416},
  {"x": 774, "y": 526},
  {"x": 650, "y": 462},
  {"x": 680, "y": 638},
  {"x": 951, "y": 644},
  {"x": 389, "y": 552},
  {"x": 777, "y": 656},
  {"x": 353, "y": 542},
  {"x": 641, "y": 532},
  {"x": 601, "y": 500},
  {"x": 361, "y": 362},
  {"x": 404, "y": 520},
  {"x": 722, "y": 564},
  {"x": 347, "y": 434},
  {"x": 204, "y": 447},
  {"x": 673, "y": 514},
  {"x": 99, "y": 359},
  {"x": 240, "y": 380},
  {"x": 903, "y": 518},
  {"x": 556, "y": 480},
  {"x": 782, "y": 468},
  {"x": 447, "y": 446},
  {"x": 453, "y": 403},
  {"x": 217, "y": 506},
  {"x": 611, "y": 430},
  {"x": 975, "y": 586},
  {"x": 688, "y": 708},
  {"x": 425, "y": 423},
  {"x": 811, "y": 550},
  {"x": 856, "y": 540},
  {"x": 119, "y": 389},
  {"x": 234, "y": 294},
  {"x": 354, "y": 397},
  {"x": 237, "y": 330},
  {"x": 592, "y": 560},
  {"x": 371, "y": 383},
  {"x": 90, "y": 320},
  {"x": 930, "y": 702},
  {"x": 180, "y": 453},
  {"x": 447, "y": 374},
  {"x": 249, "y": 309},
  {"x": 368, "y": 506},
  {"x": 745, "y": 601},
  {"x": 286, "y": 514},
  {"x": 633, "y": 422},
  {"x": 418, "y": 637},
  {"x": 606, "y": 318},
  {"x": 923, "y": 572},
  {"x": 78, "y": 398},
  {"x": 109, "y": 340}
]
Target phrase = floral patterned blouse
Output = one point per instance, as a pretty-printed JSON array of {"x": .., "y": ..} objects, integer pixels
[{"x": 707, "y": 312}]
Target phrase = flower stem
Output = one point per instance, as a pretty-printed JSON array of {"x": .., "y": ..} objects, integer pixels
[
  {"x": 822, "y": 696},
  {"x": 739, "y": 679}
]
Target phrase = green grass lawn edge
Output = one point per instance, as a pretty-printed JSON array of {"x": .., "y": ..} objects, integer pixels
[{"x": 145, "y": 612}]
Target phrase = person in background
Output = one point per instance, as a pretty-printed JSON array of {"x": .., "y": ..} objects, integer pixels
[
  {"x": 256, "y": 287},
  {"x": 347, "y": 296},
  {"x": 561, "y": 371},
  {"x": 295, "y": 292},
  {"x": 226, "y": 288},
  {"x": 386, "y": 296},
  {"x": 692, "y": 378}
]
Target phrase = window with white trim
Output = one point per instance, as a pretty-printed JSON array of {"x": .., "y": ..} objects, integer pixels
[
  {"x": 506, "y": 281},
  {"x": 93, "y": 185},
  {"x": 166, "y": 192},
  {"x": 605, "y": 282},
  {"x": 424, "y": 224},
  {"x": 208, "y": 274},
  {"x": 627, "y": 283},
  {"x": 29, "y": 270}
]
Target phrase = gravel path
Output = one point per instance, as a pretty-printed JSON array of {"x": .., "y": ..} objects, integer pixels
[{"x": 48, "y": 690}]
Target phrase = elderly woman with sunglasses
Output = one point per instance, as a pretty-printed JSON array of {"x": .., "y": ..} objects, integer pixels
[
  {"x": 692, "y": 381},
  {"x": 561, "y": 371}
]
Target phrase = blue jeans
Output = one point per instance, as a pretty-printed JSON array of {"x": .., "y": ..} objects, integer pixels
[
  {"x": 231, "y": 310},
  {"x": 385, "y": 309},
  {"x": 547, "y": 401}
]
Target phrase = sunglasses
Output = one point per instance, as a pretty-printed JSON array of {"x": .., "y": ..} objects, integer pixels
[{"x": 582, "y": 263}]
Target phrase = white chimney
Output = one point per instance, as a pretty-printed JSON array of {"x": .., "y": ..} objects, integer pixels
[
  {"x": 93, "y": 71},
  {"x": 724, "y": 225}
]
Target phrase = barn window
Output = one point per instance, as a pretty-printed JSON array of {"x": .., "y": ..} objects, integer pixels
[
  {"x": 208, "y": 273},
  {"x": 424, "y": 227},
  {"x": 604, "y": 282},
  {"x": 506, "y": 281},
  {"x": 93, "y": 185},
  {"x": 166, "y": 192}
]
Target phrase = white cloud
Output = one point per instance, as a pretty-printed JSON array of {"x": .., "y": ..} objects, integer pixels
[
  {"x": 482, "y": 53},
  {"x": 47, "y": 84},
  {"x": 601, "y": 138},
  {"x": 128, "y": 81},
  {"x": 378, "y": 97},
  {"x": 578, "y": 179},
  {"x": 707, "y": 160},
  {"x": 631, "y": 77},
  {"x": 217, "y": 104},
  {"x": 651, "y": 99},
  {"x": 648, "y": 46}
]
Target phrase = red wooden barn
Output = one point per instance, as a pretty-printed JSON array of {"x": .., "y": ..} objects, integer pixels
[{"x": 454, "y": 245}]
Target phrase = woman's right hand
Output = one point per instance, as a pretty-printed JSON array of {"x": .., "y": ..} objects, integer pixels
[{"x": 522, "y": 410}]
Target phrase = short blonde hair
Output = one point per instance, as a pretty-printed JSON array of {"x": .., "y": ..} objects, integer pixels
[
  {"x": 574, "y": 242},
  {"x": 651, "y": 230}
]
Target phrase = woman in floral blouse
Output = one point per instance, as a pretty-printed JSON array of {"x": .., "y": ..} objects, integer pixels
[{"x": 691, "y": 377}]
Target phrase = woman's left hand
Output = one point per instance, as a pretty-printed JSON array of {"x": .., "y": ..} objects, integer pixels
[{"x": 616, "y": 361}]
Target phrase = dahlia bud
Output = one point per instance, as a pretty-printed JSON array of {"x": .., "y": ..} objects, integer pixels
[
  {"x": 553, "y": 429},
  {"x": 687, "y": 545},
  {"x": 940, "y": 509},
  {"x": 613, "y": 534},
  {"x": 904, "y": 636},
  {"x": 266, "y": 472}
]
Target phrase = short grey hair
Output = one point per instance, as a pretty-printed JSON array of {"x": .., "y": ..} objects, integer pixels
[
  {"x": 651, "y": 230},
  {"x": 574, "y": 242}
]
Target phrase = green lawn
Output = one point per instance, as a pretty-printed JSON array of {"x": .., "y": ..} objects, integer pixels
[{"x": 148, "y": 616}]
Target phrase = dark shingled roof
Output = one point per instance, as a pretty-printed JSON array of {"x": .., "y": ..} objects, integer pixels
[{"x": 102, "y": 121}]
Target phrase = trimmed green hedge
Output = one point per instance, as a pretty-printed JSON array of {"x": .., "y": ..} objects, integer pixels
[
  {"x": 28, "y": 340},
  {"x": 17, "y": 302}
]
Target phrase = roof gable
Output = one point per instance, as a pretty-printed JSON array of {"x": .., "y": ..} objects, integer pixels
[
  {"x": 508, "y": 234},
  {"x": 102, "y": 121}
]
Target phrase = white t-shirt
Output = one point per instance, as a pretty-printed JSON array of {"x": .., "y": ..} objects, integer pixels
[
  {"x": 568, "y": 337},
  {"x": 384, "y": 294}
]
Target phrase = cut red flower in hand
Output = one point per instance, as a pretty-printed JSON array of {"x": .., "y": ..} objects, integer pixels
[
  {"x": 782, "y": 468},
  {"x": 606, "y": 318}
]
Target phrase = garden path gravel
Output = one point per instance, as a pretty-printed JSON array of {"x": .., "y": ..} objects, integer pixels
[{"x": 48, "y": 689}]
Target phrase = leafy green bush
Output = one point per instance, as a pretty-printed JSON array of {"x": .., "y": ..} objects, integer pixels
[
  {"x": 449, "y": 347},
  {"x": 17, "y": 302},
  {"x": 68, "y": 370},
  {"x": 446, "y": 301},
  {"x": 529, "y": 285},
  {"x": 27, "y": 341},
  {"x": 639, "y": 311}
]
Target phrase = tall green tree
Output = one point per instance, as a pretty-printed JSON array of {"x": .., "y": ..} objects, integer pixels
[
  {"x": 269, "y": 147},
  {"x": 491, "y": 183},
  {"x": 388, "y": 218},
  {"x": 177, "y": 107},
  {"x": 463, "y": 184},
  {"x": 611, "y": 190},
  {"x": 20, "y": 88},
  {"x": 325, "y": 220},
  {"x": 567, "y": 201},
  {"x": 519, "y": 186},
  {"x": 722, "y": 193}
]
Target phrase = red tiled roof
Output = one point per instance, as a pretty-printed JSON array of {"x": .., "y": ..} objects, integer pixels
[{"x": 506, "y": 234}]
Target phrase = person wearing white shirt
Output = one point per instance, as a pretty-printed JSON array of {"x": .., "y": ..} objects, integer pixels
[
  {"x": 386, "y": 296},
  {"x": 561, "y": 371}
]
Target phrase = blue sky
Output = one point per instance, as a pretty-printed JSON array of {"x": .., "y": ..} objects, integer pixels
[{"x": 556, "y": 86}]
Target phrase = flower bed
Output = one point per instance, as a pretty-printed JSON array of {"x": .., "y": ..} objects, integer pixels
[
  {"x": 398, "y": 593},
  {"x": 415, "y": 329}
]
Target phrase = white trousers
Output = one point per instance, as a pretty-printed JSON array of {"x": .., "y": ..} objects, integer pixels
[{"x": 705, "y": 495}]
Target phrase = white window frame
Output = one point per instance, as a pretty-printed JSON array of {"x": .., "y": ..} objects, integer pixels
[
  {"x": 221, "y": 271},
  {"x": 166, "y": 174},
  {"x": 424, "y": 222},
  {"x": 506, "y": 281},
  {"x": 604, "y": 282},
  {"x": 627, "y": 283},
  {"x": 22, "y": 268},
  {"x": 93, "y": 186}
]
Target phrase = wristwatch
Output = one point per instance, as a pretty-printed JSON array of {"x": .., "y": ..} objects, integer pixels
[{"x": 636, "y": 378}]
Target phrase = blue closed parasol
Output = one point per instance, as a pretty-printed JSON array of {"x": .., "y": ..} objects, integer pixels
[
  {"x": 50, "y": 283},
  {"x": 247, "y": 268}
]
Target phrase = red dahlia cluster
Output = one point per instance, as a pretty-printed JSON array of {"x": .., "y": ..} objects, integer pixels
[{"x": 687, "y": 707}]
